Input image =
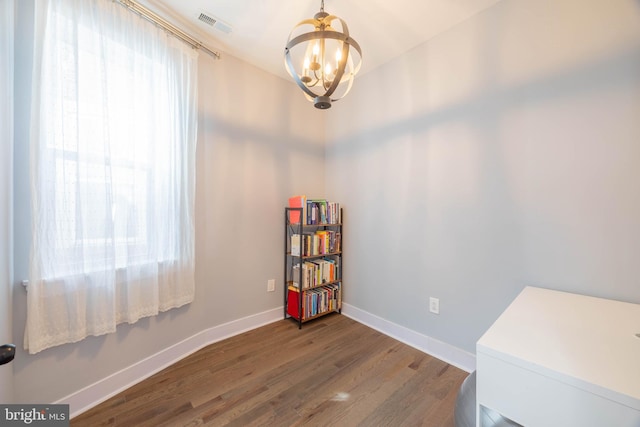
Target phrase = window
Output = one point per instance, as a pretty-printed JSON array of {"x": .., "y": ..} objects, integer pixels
[{"x": 112, "y": 172}]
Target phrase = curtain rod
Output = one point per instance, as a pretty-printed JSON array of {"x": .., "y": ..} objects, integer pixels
[{"x": 166, "y": 25}]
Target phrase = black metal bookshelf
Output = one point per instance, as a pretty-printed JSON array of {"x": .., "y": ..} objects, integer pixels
[{"x": 304, "y": 301}]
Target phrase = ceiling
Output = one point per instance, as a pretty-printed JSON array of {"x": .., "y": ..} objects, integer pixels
[{"x": 260, "y": 28}]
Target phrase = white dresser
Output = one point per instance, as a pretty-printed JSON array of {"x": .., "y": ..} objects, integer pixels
[{"x": 560, "y": 359}]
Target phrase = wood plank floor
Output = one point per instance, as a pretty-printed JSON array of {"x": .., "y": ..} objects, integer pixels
[{"x": 333, "y": 372}]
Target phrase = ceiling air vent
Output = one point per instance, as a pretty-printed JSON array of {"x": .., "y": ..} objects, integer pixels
[
  {"x": 214, "y": 22},
  {"x": 207, "y": 19}
]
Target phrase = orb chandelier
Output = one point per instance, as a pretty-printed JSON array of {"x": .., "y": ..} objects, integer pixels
[{"x": 322, "y": 58}]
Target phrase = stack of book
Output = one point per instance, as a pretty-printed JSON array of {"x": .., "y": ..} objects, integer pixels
[
  {"x": 314, "y": 211},
  {"x": 314, "y": 302},
  {"x": 320, "y": 242},
  {"x": 316, "y": 272}
]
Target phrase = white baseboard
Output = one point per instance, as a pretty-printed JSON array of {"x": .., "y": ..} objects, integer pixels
[
  {"x": 96, "y": 393},
  {"x": 436, "y": 348}
]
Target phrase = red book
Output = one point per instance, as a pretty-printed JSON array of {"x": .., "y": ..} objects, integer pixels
[
  {"x": 297, "y": 202},
  {"x": 293, "y": 304}
]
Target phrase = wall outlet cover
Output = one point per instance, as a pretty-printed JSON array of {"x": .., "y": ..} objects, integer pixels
[{"x": 434, "y": 305}]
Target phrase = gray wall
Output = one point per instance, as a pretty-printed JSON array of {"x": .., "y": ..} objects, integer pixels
[
  {"x": 502, "y": 153},
  {"x": 258, "y": 144}
]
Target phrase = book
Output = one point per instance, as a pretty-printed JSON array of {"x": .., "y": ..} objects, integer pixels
[
  {"x": 312, "y": 212},
  {"x": 293, "y": 304},
  {"x": 333, "y": 213},
  {"x": 321, "y": 214},
  {"x": 295, "y": 276},
  {"x": 297, "y": 202},
  {"x": 295, "y": 245},
  {"x": 331, "y": 263},
  {"x": 323, "y": 241}
]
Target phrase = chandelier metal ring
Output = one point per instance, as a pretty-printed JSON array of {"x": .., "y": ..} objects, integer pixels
[{"x": 318, "y": 78}]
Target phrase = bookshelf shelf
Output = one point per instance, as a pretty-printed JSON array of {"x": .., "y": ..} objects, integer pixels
[
  {"x": 315, "y": 256},
  {"x": 291, "y": 286},
  {"x": 314, "y": 317},
  {"x": 312, "y": 261}
]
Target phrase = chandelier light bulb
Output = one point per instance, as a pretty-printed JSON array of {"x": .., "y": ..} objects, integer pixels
[{"x": 305, "y": 78}]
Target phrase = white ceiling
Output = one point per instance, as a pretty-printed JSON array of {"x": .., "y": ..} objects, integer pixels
[{"x": 260, "y": 28}]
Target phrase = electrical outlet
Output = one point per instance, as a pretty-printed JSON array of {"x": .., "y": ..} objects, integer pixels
[
  {"x": 271, "y": 285},
  {"x": 434, "y": 305}
]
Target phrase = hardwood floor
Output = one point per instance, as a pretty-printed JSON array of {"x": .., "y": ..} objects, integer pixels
[{"x": 333, "y": 372}]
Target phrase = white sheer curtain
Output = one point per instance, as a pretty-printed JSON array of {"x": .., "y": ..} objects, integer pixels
[
  {"x": 112, "y": 169},
  {"x": 7, "y": 13}
]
